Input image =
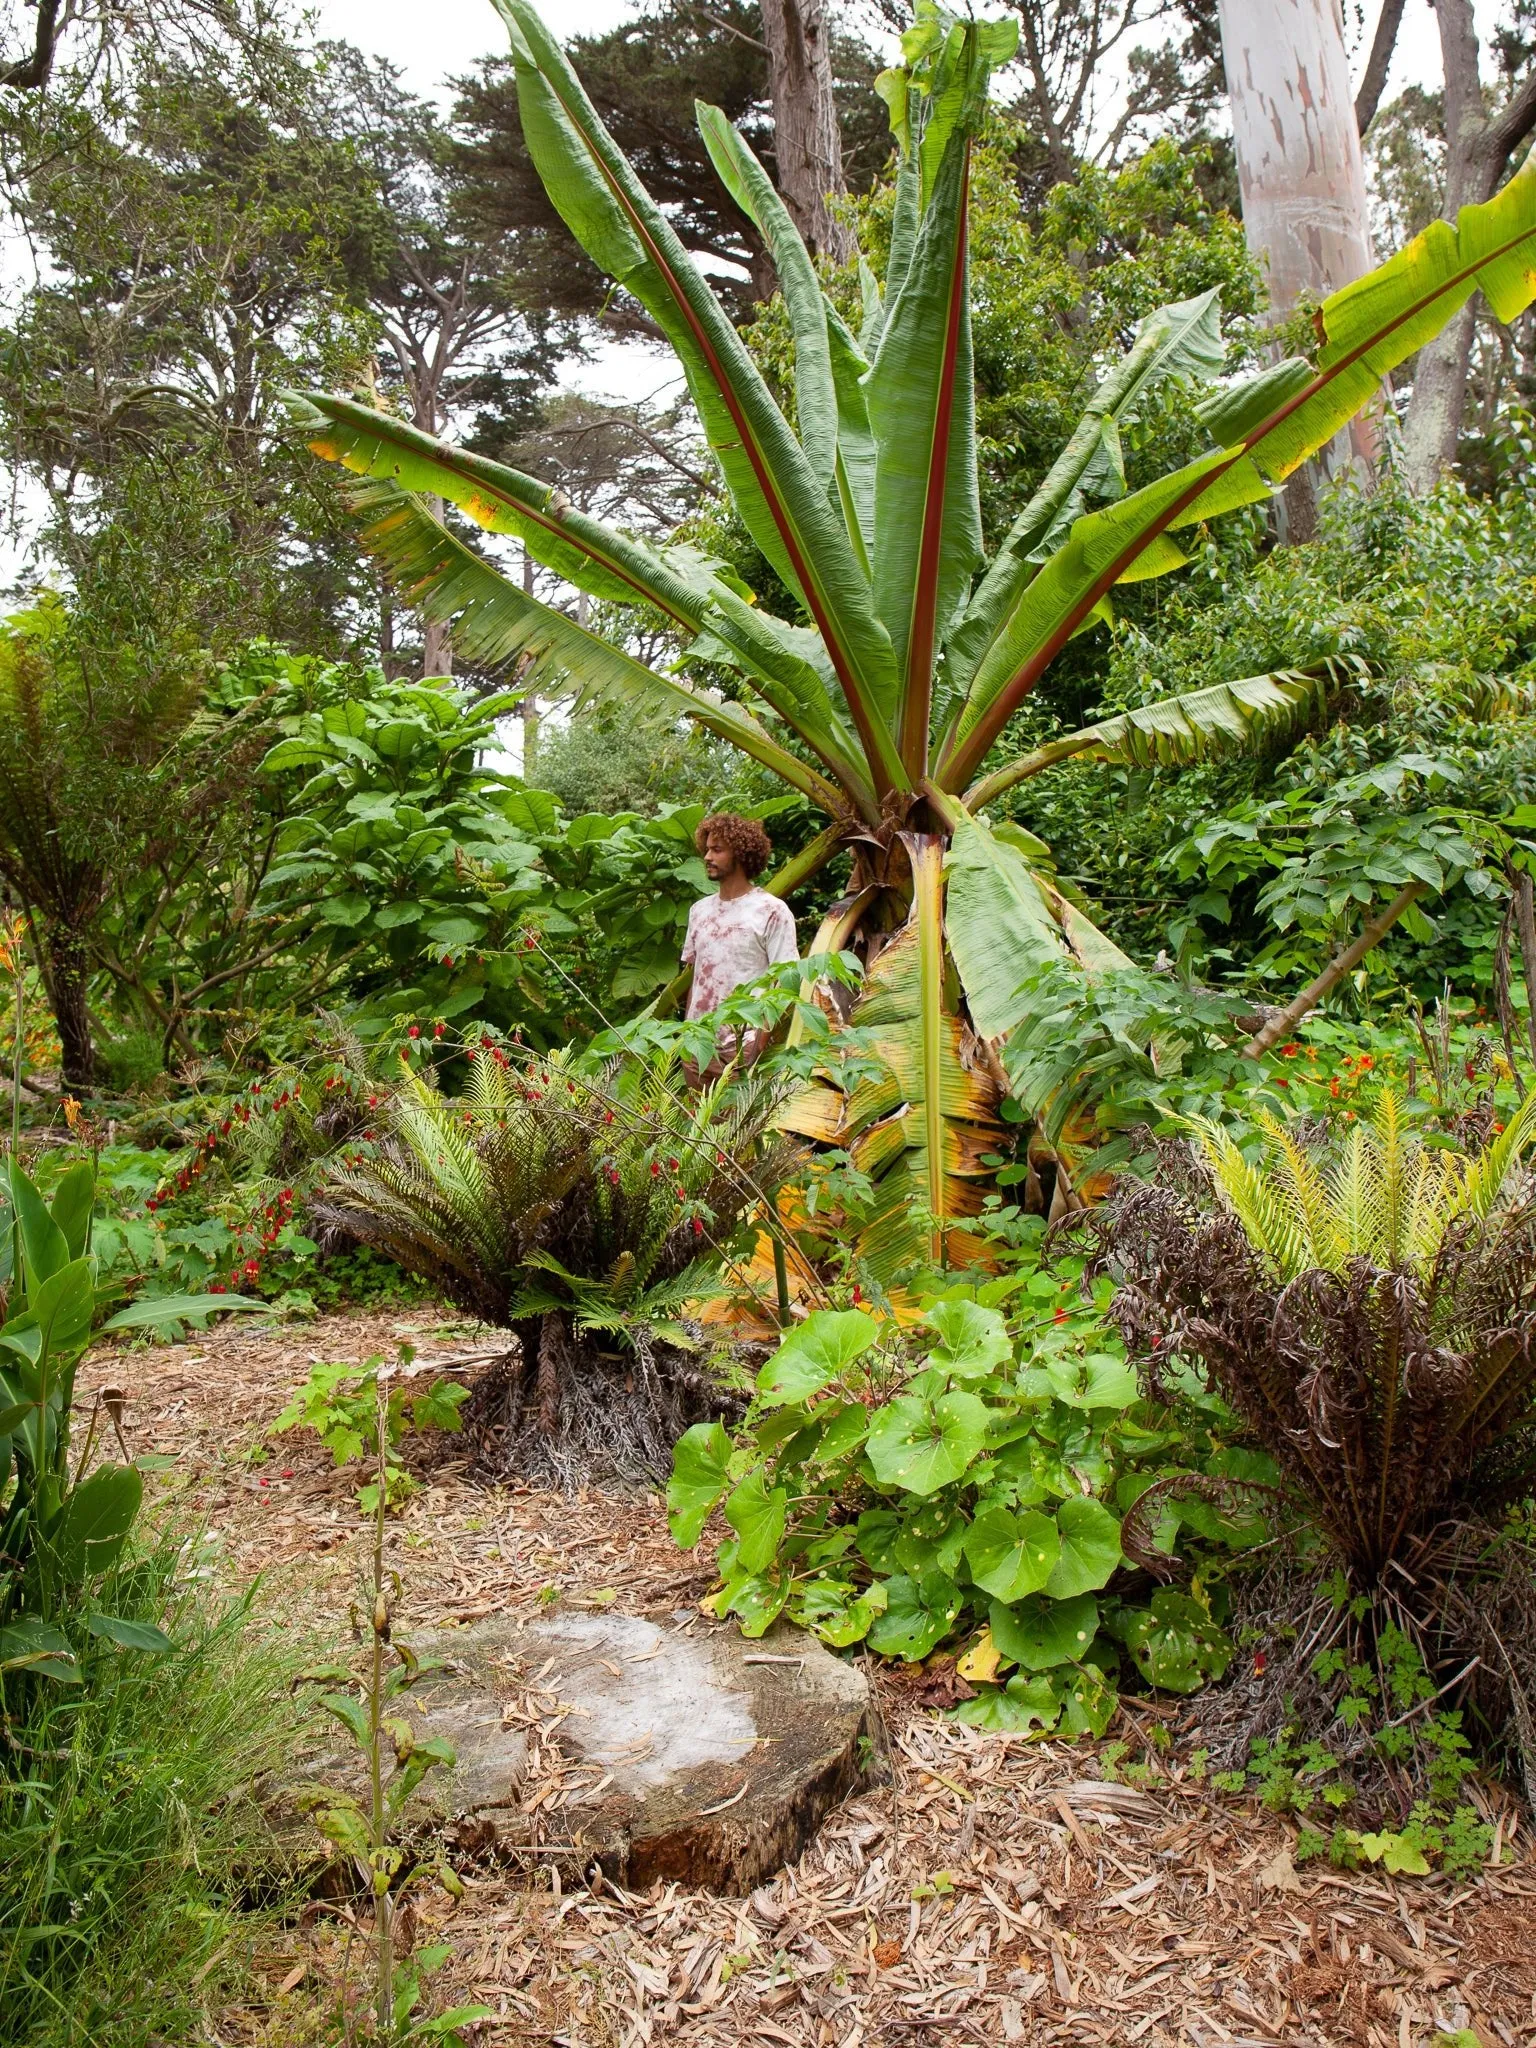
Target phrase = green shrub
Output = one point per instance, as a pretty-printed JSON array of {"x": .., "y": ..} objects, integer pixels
[
  {"x": 974, "y": 1479},
  {"x": 126, "y": 1826}
]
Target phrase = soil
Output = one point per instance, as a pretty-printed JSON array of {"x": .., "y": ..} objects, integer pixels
[{"x": 994, "y": 1889}]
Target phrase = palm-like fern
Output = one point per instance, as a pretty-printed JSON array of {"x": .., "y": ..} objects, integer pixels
[
  {"x": 1384, "y": 1195},
  {"x": 1368, "y": 1307},
  {"x": 555, "y": 1201}
]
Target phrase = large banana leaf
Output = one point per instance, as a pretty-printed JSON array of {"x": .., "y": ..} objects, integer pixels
[
  {"x": 1177, "y": 341},
  {"x": 595, "y": 558},
  {"x": 493, "y": 620},
  {"x": 1006, "y": 923},
  {"x": 1368, "y": 329},
  {"x": 830, "y": 366},
  {"x": 1178, "y": 730},
  {"x": 785, "y": 508}
]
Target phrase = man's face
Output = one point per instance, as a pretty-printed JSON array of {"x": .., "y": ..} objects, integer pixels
[{"x": 719, "y": 861}]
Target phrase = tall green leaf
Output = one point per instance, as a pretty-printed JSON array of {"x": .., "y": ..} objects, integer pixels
[
  {"x": 1177, "y": 341},
  {"x": 922, "y": 410},
  {"x": 775, "y": 488}
]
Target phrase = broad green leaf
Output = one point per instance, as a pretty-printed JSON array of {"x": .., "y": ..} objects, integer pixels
[
  {"x": 756, "y": 1599},
  {"x": 1011, "y": 1555},
  {"x": 819, "y": 1351},
  {"x": 95, "y": 1522},
  {"x": 351, "y": 1713},
  {"x": 972, "y": 1340},
  {"x": 1012, "y": 1709},
  {"x": 341, "y": 1821},
  {"x": 919, "y": 1612},
  {"x": 1100, "y": 1380},
  {"x": 129, "y": 1635},
  {"x": 1004, "y": 929},
  {"x": 1041, "y": 1633},
  {"x": 700, "y": 1477},
  {"x": 921, "y": 1445},
  {"x": 156, "y": 1311},
  {"x": 1090, "y": 1548},
  {"x": 1088, "y": 1700},
  {"x": 922, "y": 411},
  {"x": 33, "y": 1645},
  {"x": 757, "y": 1514},
  {"x": 1399, "y": 1856},
  {"x": 1175, "y": 1644},
  {"x": 64, "y": 1304},
  {"x": 838, "y": 1612},
  {"x": 44, "y": 1247},
  {"x": 71, "y": 1205},
  {"x": 752, "y": 189}
]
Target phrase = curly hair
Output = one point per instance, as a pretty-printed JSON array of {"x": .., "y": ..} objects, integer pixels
[{"x": 744, "y": 836}]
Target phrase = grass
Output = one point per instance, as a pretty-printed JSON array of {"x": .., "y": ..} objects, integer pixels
[{"x": 126, "y": 1822}]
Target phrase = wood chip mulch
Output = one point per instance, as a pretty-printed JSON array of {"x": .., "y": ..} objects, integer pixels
[{"x": 996, "y": 1890}]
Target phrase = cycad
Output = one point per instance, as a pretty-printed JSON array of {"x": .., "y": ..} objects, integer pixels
[
  {"x": 1366, "y": 1303},
  {"x": 561, "y": 1203},
  {"x": 1381, "y": 1195},
  {"x": 882, "y": 686}
]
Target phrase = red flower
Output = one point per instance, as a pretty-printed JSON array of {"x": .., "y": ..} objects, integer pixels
[
  {"x": 858, "y": 1295},
  {"x": 1366, "y": 1061},
  {"x": 439, "y": 1029},
  {"x": 288, "y": 1472},
  {"x": 1060, "y": 1316},
  {"x": 698, "y": 1226},
  {"x": 414, "y": 1032},
  {"x": 252, "y": 1269},
  {"x": 655, "y": 1169},
  {"x": 1260, "y": 1661},
  {"x": 286, "y": 1195},
  {"x": 1289, "y": 1052}
]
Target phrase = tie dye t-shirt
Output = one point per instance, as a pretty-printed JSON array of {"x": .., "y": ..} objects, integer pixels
[{"x": 731, "y": 942}]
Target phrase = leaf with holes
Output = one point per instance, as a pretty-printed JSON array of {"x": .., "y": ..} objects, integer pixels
[
  {"x": 818, "y": 1352},
  {"x": 973, "y": 1340},
  {"x": 1012, "y": 1709},
  {"x": 1090, "y": 1548},
  {"x": 919, "y": 1612},
  {"x": 1174, "y": 1643}
]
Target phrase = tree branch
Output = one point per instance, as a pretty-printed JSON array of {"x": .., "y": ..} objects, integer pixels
[
  {"x": 30, "y": 74},
  {"x": 1284, "y": 1022},
  {"x": 1378, "y": 64}
]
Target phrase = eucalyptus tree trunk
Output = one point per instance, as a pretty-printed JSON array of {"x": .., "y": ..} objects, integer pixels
[
  {"x": 806, "y": 139},
  {"x": 1305, "y": 213}
]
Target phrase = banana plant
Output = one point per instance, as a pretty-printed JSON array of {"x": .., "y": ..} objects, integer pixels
[{"x": 885, "y": 692}]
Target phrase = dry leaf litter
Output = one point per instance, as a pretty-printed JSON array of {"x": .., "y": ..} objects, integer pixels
[{"x": 994, "y": 1889}]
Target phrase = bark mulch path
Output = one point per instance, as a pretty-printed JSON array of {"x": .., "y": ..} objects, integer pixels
[{"x": 998, "y": 1890}]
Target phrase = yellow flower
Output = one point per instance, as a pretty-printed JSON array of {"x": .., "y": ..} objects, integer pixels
[{"x": 71, "y": 1111}]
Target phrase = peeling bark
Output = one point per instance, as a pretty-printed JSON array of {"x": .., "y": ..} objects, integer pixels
[{"x": 1305, "y": 212}]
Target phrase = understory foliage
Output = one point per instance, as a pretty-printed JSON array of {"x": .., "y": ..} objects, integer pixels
[
  {"x": 578, "y": 1206},
  {"x": 125, "y": 1820},
  {"x": 967, "y": 1483},
  {"x": 1369, "y": 1311}
]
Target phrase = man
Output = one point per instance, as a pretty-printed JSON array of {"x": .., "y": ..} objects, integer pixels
[{"x": 736, "y": 933}]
